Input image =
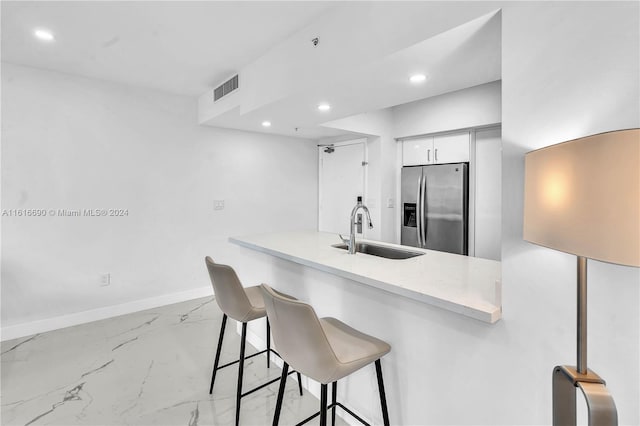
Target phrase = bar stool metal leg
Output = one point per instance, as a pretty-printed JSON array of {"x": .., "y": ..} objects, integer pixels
[
  {"x": 240, "y": 371},
  {"x": 268, "y": 344},
  {"x": 323, "y": 405},
  {"x": 217, "y": 361},
  {"x": 240, "y": 361},
  {"x": 383, "y": 397},
  {"x": 283, "y": 383},
  {"x": 299, "y": 383},
  {"x": 334, "y": 390}
]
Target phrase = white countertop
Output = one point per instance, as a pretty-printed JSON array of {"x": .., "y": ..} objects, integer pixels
[{"x": 466, "y": 285}]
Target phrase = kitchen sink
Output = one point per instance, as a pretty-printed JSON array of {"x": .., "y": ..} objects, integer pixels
[{"x": 381, "y": 251}]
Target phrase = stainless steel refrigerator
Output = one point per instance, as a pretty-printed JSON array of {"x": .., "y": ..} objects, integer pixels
[{"x": 435, "y": 207}]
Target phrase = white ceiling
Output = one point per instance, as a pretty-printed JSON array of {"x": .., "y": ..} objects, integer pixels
[
  {"x": 182, "y": 47},
  {"x": 462, "y": 57},
  {"x": 188, "y": 48}
]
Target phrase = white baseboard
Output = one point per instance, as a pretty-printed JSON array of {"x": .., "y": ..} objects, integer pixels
[{"x": 41, "y": 326}]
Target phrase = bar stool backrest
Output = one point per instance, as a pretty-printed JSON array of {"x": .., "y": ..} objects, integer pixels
[
  {"x": 230, "y": 294},
  {"x": 298, "y": 335}
]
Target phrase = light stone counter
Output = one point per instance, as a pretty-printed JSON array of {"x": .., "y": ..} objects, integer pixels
[{"x": 466, "y": 285}]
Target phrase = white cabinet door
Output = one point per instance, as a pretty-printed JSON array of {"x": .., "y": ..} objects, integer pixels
[
  {"x": 452, "y": 148},
  {"x": 417, "y": 151},
  {"x": 440, "y": 149}
]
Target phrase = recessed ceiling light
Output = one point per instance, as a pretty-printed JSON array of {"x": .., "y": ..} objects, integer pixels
[
  {"x": 44, "y": 35},
  {"x": 324, "y": 107},
  {"x": 266, "y": 124},
  {"x": 417, "y": 78}
]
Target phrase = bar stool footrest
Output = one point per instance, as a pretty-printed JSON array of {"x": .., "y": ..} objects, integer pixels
[
  {"x": 247, "y": 357},
  {"x": 337, "y": 404},
  {"x": 264, "y": 385}
]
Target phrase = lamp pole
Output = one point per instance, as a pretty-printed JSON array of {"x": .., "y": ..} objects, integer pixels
[
  {"x": 582, "y": 316},
  {"x": 566, "y": 379}
]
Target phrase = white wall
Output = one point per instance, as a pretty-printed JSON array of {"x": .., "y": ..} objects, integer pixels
[
  {"x": 75, "y": 143},
  {"x": 475, "y": 106},
  {"x": 471, "y": 107},
  {"x": 569, "y": 69}
]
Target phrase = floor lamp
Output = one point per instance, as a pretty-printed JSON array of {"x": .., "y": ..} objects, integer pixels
[{"x": 583, "y": 197}]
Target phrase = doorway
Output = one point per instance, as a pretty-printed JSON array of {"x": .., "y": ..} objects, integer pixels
[{"x": 341, "y": 168}]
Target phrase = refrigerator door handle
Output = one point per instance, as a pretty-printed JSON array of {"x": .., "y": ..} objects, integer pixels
[
  {"x": 423, "y": 211},
  {"x": 418, "y": 209}
]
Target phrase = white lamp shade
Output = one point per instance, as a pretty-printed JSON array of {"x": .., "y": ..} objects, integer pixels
[{"x": 583, "y": 197}]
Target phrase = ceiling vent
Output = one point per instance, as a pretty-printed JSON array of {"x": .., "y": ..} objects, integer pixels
[{"x": 225, "y": 88}]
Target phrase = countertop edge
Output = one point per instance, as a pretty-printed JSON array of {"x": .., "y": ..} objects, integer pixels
[{"x": 490, "y": 315}]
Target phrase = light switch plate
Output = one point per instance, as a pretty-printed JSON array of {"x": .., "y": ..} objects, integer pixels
[{"x": 104, "y": 279}]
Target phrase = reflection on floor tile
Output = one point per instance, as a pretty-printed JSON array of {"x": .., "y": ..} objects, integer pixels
[{"x": 147, "y": 368}]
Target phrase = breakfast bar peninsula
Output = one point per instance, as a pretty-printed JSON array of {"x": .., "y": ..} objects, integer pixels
[{"x": 440, "y": 313}]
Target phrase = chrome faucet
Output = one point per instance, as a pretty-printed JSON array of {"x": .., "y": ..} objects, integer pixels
[{"x": 351, "y": 242}]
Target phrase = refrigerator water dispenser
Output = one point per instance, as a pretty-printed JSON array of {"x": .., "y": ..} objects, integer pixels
[{"x": 409, "y": 215}]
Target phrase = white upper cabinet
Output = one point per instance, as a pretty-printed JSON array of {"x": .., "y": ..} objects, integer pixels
[
  {"x": 453, "y": 148},
  {"x": 439, "y": 149},
  {"x": 417, "y": 151}
]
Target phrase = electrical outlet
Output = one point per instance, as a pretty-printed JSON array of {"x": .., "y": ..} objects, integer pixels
[
  {"x": 218, "y": 204},
  {"x": 390, "y": 203},
  {"x": 105, "y": 279}
]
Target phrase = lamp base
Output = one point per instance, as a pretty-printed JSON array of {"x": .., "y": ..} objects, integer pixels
[{"x": 600, "y": 404}]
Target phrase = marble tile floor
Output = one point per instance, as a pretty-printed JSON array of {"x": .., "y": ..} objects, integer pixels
[{"x": 147, "y": 368}]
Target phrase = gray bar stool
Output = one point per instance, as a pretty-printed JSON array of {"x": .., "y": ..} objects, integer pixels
[
  {"x": 243, "y": 305},
  {"x": 323, "y": 349}
]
